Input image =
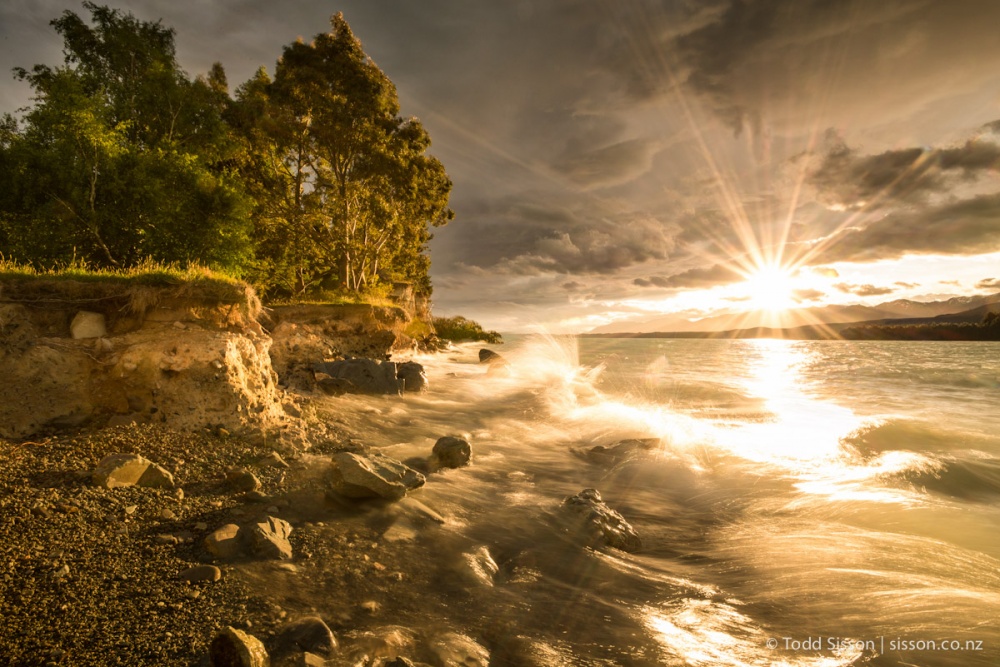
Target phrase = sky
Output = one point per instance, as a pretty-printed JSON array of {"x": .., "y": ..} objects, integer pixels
[{"x": 620, "y": 160}]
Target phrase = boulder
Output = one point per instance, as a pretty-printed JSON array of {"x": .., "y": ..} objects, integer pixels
[
  {"x": 451, "y": 452},
  {"x": 451, "y": 648},
  {"x": 235, "y": 648},
  {"x": 306, "y": 635},
  {"x": 117, "y": 470},
  {"x": 372, "y": 476},
  {"x": 88, "y": 325},
  {"x": 269, "y": 538},
  {"x": 413, "y": 376},
  {"x": 621, "y": 450},
  {"x": 224, "y": 543},
  {"x": 365, "y": 376},
  {"x": 599, "y": 525}
]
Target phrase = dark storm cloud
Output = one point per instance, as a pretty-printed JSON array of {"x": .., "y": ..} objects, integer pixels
[
  {"x": 988, "y": 283},
  {"x": 777, "y": 60},
  {"x": 864, "y": 290},
  {"x": 653, "y": 281},
  {"x": 963, "y": 227},
  {"x": 608, "y": 165},
  {"x": 849, "y": 180}
]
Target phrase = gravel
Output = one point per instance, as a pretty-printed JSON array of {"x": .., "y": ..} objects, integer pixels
[{"x": 90, "y": 576}]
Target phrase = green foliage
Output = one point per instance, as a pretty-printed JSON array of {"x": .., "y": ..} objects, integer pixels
[
  {"x": 461, "y": 329},
  {"x": 304, "y": 184},
  {"x": 344, "y": 189}
]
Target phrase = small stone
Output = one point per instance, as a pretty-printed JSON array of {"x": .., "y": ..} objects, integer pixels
[
  {"x": 371, "y": 606},
  {"x": 117, "y": 470},
  {"x": 224, "y": 543},
  {"x": 192, "y": 594},
  {"x": 179, "y": 325},
  {"x": 200, "y": 573},
  {"x": 130, "y": 509},
  {"x": 167, "y": 515},
  {"x": 272, "y": 460},
  {"x": 179, "y": 494},
  {"x": 235, "y": 648},
  {"x": 241, "y": 479},
  {"x": 86, "y": 324},
  {"x": 201, "y": 525},
  {"x": 166, "y": 539}
]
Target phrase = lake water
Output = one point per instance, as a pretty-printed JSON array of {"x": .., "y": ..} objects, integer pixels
[{"x": 810, "y": 503}]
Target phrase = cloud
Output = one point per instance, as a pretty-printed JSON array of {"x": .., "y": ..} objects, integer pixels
[
  {"x": 963, "y": 227},
  {"x": 900, "y": 283},
  {"x": 864, "y": 290},
  {"x": 702, "y": 277},
  {"x": 571, "y": 286},
  {"x": 807, "y": 294},
  {"x": 847, "y": 180},
  {"x": 609, "y": 165},
  {"x": 653, "y": 281},
  {"x": 988, "y": 283}
]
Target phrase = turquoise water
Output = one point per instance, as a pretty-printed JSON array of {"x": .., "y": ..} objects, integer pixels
[{"x": 810, "y": 503}]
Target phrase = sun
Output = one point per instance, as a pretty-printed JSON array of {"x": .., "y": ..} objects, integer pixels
[{"x": 770, "y": 288}]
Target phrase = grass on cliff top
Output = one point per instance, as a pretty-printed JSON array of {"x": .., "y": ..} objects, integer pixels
[
  {"x": 143, "y": 285},
  {"x": 336, "y": 298}
]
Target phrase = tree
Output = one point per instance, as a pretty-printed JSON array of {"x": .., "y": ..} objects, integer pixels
[
  {"x": 122, "y": 157},
  {"x": 341, "y": 174}
]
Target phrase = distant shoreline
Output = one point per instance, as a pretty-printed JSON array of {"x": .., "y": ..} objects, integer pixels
[{"x": 848, "y": 331}]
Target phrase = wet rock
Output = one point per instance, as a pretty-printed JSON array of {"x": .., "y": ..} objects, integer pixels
[
  {"x": 310, "y": 635},
  {"x": 241, "y": 479},
  {"x": 372, "y": 476},
  {"x": 200, "y": 573},
  {"x": 235, "y": 648},
  {"x": 413, "y": 376},
  {"x": 478, "y": 567},
  {"x": 452, "y": 648},
  {"x": 451, "y": 452},
  {"x": 312, "y": 660},
  {"x": 490, "y": 357},
  {"x": 365, "y": 376},
  {"x": 598, "y": 524},
  {"x": 621, "y": 450},
  {"x": 86, "y": 324},
  {"x": 398, "y": 661},
  {"x": 269, "y": 538},
  {"x": 116, "y": 470},
  {"x": 335, "y": 386},
  {"x": 224, "y": 543}
]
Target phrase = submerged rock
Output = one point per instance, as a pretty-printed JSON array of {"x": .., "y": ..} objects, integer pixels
[
  {"x": 116, "y": 470},
  {"x": 478, "y": 567},
  {"x": 621, "y": 450},
  {"x": 235, "y": 648},
  {"x": 372, "y": 476},
  {"x": 309, "y": 635},
  {"x": 598, "y": 524},
  {"x": 451, "y": 452},
  {"x": 413, "y": 376},
  {"x": 365, "y": 376},
  {"x": 452, "y": 648},
  {"x": 490, "y": 357}
]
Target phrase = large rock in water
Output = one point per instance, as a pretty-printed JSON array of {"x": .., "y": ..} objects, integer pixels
[
  {"x": 372, "y": 476},
  {"x": 490, "y": 357},
  {"x": 451, "y": 452},
  {"x": 413, "y": 376},
  {"x": 598, "y": 524},
  {"x": 365, "y": 376},
  {"x": 117, "y": 470},
  {"x": 621, "y": 450},
  {"x": 309, "y": 634}
]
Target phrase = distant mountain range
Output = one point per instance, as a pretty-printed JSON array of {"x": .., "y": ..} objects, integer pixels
[{"x": 901, "y": 311}]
